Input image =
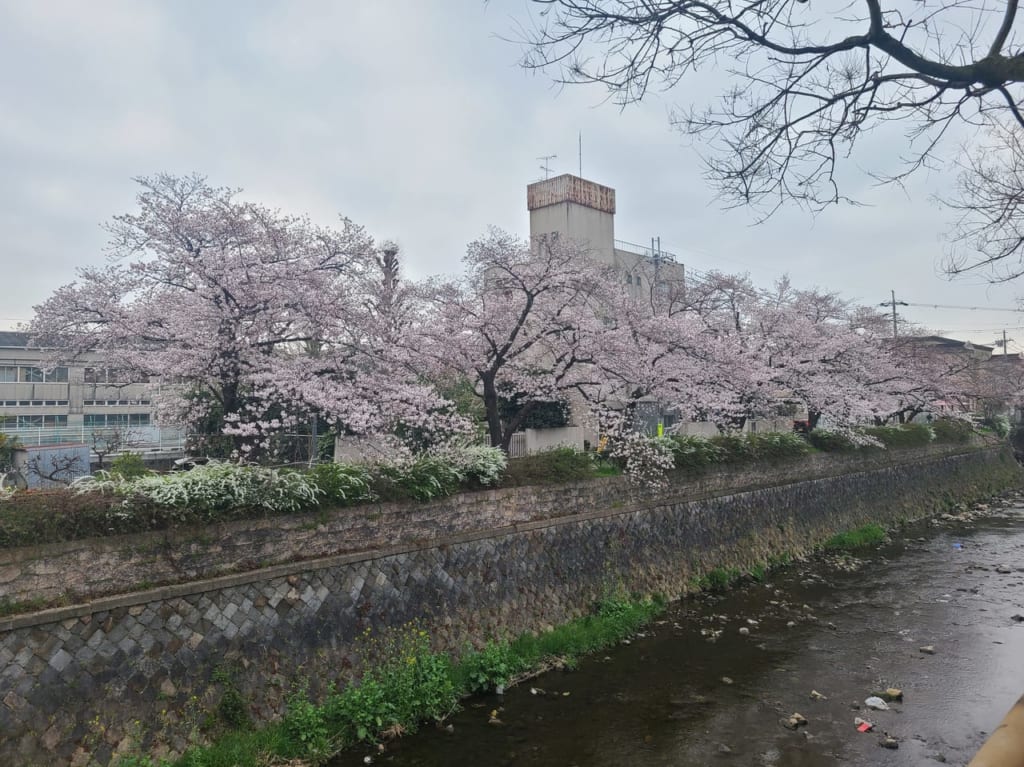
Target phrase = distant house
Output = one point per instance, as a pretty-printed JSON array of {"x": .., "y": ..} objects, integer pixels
[
  {"x": 1002, "y": 377},
  {"x": 957, "y": 367}
]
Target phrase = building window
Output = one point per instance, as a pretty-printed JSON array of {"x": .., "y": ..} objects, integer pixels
[
  {"x": 113, "y": 376},
  {"x": 28, "y": 374},
  {"x": 629, "y": 279},
  {"x": 8, "y": 374},
  {"x": 41, "y": 421},
  {"x": 115, "y": 420}
]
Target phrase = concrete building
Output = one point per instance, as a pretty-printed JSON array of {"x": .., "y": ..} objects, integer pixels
[
  {"x": 584, "y": 211},
  {"x": 68, "y": 404}
]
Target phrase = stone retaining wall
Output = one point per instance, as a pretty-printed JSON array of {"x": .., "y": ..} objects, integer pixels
[
  {"x": 73, "y": 679},
  {"x": 79, "y": 570}
]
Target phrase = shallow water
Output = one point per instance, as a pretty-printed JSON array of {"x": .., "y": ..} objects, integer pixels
[{"x": 661, "y": 700}]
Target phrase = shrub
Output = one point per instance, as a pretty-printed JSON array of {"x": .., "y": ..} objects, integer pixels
[
  {"x": 215, "y": 487},
  {"x": 693, "y": 453},
  {"x": 403, "y": 682},
  {"x": 955, "y": 430},
  {"x": 1000, "y": 424},
  {"x": 732, "y": 448},
  {"x": 490, "y": 667},
  {"x": 477, "y": 464},
  {"x": 776, "y": 445},
  {"x": 129, "y": 466},
  {"x": 562, "y": 464},
  {"x": 831, "y": 441},
  {"x": 45, "y": 516},
  {"x": 422, "y": 478},
  {"x": 7, "y": 447},
  {"x": 341, "y": 484},
  {"x": 908, "y": 435}
]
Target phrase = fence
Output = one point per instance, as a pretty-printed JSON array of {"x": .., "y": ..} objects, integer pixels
[
  {"x": 537, "y": 440},
  {"x": 134, "y": 438}
]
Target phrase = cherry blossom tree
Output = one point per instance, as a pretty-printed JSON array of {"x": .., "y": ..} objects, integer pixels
[
  {"x": 519, "y": 324},
  {"x": 251, "y": 318}
]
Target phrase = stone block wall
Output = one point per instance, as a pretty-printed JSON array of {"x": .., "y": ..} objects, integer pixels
[
  {"x": 72, "y": 680},
  {"x": 76, "y": 571}
]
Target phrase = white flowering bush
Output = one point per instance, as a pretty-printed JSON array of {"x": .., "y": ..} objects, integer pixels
[
  {"x": 342, "y": 484},
  {"x": 215, "y": 486},
  {"x": 479, "y": 463}
]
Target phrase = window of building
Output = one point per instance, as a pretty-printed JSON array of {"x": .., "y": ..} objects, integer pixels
[
  {"x": 8, "y": 373},
  {"x": 27, "y": 374},
  {"x": 115, "y": 420},
  {"x": 113, "y": 376},
  {"x": 30, "y": 421}
]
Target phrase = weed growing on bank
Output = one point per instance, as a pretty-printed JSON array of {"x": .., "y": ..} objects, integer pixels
[
  {"x": 403, "y": 683},
  {"x": 868, "y": 535}
]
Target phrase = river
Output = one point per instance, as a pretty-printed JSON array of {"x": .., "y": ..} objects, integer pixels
[{"x": 842, "y": 627}]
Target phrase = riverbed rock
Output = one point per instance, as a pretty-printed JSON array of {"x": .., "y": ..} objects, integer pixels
[
  {"x": 815, "y": 695},
  {"x": 744, "y": 631},
  {"x": 1004, "y": 570},
  {"x": 927, "y": 649},
  {"x": 794, "y": 721},
  {"x": 889, "y": 742},
  {"x": 726, "y": 680}
]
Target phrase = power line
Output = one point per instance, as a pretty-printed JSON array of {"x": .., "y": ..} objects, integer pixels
[{"x": 968, "y": 308}]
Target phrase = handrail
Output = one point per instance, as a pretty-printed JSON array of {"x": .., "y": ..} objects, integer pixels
[{"x": 1005, "y": 746}]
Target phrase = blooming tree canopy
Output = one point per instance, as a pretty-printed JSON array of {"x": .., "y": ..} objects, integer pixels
[
  {"x": 251, "y": 318},
  {"x": 520, "y": 323}
]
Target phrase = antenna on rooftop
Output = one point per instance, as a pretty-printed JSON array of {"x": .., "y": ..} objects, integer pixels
[{"x": 546, "y": 164}]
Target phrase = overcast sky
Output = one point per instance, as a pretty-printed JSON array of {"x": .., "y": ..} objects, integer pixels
[{"x": 412, "y": 118}]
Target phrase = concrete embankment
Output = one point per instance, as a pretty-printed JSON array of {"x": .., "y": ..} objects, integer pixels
[{"x": 482, "y": 565}]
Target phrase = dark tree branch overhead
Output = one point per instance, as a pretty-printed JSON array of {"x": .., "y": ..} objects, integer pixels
[{"x": 808, "y": 78}]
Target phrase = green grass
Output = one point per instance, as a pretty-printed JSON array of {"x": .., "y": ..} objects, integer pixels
[
  {"x": 408, "y": 684},
  {"x": 868, "y": 535}
]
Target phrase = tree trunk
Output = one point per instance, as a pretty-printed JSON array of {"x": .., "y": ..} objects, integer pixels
[{"x": 493, "y": 415}]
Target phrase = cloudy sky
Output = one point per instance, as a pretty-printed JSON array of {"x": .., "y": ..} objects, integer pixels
[{"x": 412, "y": 118}]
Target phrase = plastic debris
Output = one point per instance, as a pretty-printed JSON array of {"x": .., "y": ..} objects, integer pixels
[
  {"x": 958, "y": 546},
  {"x": 863, "y": 725},
  {"x": 876, "y": 703}
]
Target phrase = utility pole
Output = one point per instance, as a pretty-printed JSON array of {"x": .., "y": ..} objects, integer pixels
[
  {"x": 894, "y": 303},
  {"x": 1003, "y": 343}
]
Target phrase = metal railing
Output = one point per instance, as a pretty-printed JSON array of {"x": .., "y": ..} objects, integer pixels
[
  {"x": 646, "y": 252},
  {"x": 517, "y": 447},
  {"x": 134, "y": 438}
]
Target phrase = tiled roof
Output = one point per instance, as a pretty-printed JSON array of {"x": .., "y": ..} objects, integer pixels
[{"x": 11, "y": 339}]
